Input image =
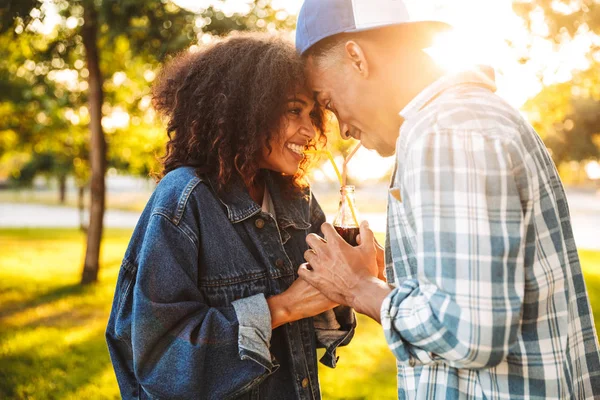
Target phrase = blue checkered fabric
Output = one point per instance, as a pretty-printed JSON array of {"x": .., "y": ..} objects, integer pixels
[{"x": 489, "y": 299}]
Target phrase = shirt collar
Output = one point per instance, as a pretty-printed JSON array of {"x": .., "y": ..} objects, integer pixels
[
  {"x": 240, "y": 206},
  {"x": 479, "y": 76}
]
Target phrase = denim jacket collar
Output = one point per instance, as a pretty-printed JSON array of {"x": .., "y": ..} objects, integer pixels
[
  {"x": 240, "y": 206},
  {"x": 289, "y": 210},
  {"x": 237, "y": 201}
]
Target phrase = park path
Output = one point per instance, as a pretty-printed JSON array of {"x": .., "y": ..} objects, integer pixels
[{"x": 584, "y": 207}]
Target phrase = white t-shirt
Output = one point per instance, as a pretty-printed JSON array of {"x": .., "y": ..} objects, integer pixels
[{"x": 267, "y": 204}]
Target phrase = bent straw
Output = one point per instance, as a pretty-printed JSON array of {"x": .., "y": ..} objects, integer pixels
[
  {"x": 346, "y": 161},
  {"x": 337, "y": 172},
  {"x": 345, "y": 176},
  {"x": 330, "y": 157}
]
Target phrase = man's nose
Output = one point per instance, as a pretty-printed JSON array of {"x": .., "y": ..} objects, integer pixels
[{"x": 344, "y": 130}]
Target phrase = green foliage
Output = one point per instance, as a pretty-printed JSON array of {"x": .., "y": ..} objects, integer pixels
[
  {"x": 52, "y": 330},
  {"x": 262, "y": 16},
  {"x": 9, "y": 10},
  {"x": 45, "y": 85},
  {"x": 43, "y": 78},
  {"x": 564, "y": 18},
  {"x": 567, "y": 114}
]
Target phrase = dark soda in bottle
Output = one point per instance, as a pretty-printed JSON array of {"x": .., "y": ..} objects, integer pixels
[{"x": 344, "y": 222}]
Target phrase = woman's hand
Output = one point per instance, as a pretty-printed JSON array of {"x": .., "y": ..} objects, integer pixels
[{"x": 300, "y": 300}]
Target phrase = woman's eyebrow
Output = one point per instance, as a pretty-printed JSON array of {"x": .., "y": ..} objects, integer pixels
[{"x": 296, "y": 100}]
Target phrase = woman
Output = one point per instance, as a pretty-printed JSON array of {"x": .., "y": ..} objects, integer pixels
[{"x": 208, "y": 304}]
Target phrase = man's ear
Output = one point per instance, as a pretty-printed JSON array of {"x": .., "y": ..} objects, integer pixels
[{"x": 356, "y": 56}]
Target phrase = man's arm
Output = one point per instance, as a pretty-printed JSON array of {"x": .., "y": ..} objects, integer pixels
[{"x": 464, "y": 305}]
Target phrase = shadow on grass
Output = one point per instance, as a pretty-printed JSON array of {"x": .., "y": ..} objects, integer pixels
[
  {"x": 31, "y": 374},
  {"x": 10, "y": 308}
]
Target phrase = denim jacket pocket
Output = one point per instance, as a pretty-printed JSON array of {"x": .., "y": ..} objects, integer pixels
[
  {"x": 288, "y": 227},
  {"x": 124, "y": 302},
  {"x": 221, "y": 292}
]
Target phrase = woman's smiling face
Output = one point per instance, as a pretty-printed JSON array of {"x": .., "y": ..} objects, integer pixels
[{"x": 297, "y": 131}]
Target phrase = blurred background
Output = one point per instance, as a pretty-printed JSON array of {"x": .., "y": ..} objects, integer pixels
[{"x": 79, "y": 139}]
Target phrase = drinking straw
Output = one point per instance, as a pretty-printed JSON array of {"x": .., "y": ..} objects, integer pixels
[
  {"x": 345, "y": 176},
  {"x": 330, "y": 157},
  {"x": 346, "y": 161}
]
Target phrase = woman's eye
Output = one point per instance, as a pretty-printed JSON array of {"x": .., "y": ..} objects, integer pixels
[
  {"x": 328, "y": 106},
  {"x": 295, "y": 111}
]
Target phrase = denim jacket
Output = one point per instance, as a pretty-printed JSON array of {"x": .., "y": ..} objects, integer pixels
[{"x": 190, "y": 318}]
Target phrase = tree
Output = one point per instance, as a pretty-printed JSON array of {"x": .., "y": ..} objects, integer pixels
[
  {"x": 565, "y": 19},
  {"x": 152, "y": 24},
  {"x": 96, "y": 42},
  {"x": 567, "y": 114}
]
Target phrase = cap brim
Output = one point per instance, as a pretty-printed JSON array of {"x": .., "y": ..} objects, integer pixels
[{"x": 419, "y": 33}]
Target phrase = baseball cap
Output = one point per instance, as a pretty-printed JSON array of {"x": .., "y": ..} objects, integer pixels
[{"x": 319, "y": 19}]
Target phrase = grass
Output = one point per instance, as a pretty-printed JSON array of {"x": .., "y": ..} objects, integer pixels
[{"x": 52, "y": 330}]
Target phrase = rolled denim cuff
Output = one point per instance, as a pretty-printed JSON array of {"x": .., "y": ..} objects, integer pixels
[
  {"x": 334, "y": 328},
  {"x": 254, "y": 337}
]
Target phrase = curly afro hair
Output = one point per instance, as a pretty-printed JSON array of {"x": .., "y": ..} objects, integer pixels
[{"x": 224, "y": 104}]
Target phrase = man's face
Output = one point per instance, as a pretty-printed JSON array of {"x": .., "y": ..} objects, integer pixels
[{"x": 358, "y": 103}]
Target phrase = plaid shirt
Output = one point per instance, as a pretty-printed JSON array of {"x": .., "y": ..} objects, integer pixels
[{"x": 489, "y": 299}]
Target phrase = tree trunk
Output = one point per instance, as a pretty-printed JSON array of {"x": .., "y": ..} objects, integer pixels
[
  {"x": 62, "y": 189},
  {"x": 81, "y": 208},
  {"x": 97, "y": 145}
]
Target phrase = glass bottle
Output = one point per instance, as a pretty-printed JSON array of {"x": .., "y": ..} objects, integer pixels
[{"x": 345, "y": 222}]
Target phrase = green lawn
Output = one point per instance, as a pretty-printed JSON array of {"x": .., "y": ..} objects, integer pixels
[{"x": 52, "y": 330}]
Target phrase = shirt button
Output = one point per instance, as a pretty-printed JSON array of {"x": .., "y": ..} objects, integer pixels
[
  {"x": 279, "y": 263},
  {"x": 259, "y": 223},
  {"x": 305, "y": 382}
]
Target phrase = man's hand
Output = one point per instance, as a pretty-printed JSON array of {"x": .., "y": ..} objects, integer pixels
[
  {"x": 380, "y": 258},
  {"x": 345, "y": 274}
]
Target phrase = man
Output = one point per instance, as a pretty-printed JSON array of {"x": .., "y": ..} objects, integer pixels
[{"x": 485, "y": 296}]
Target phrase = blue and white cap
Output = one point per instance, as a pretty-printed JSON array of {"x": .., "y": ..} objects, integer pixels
[{"x": 319, "y": 19}]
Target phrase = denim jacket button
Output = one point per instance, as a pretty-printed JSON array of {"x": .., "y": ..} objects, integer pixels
[
  {"x": 259, "y": 223},
  {"x": 279, "y": 263},
  {"x": 304, "y": 382}
]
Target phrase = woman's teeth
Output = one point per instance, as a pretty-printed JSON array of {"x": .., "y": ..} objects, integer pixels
[{"x": 296, "y": 148}]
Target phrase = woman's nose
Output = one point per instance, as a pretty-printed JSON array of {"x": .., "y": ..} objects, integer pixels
[{"x": 308, "y": 129}]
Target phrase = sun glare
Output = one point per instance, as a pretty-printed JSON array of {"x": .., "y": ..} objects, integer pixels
[{"x": 454, "y": 52}]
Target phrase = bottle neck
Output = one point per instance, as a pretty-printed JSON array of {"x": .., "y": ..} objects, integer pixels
[
  {"x": 347, "y": 209},
  {"x": 347, "y": 191}
]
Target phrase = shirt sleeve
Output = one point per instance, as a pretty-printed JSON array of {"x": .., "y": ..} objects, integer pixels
[
  {"x": 182, "y": 347},
  {"x": 333, "y": 328},
  {"x": 462, "y": 203}
]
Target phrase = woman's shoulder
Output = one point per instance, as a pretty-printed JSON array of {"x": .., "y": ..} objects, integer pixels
[
  {"x": 176, "y": 190},
  {"x": 179, "y": 177}
]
